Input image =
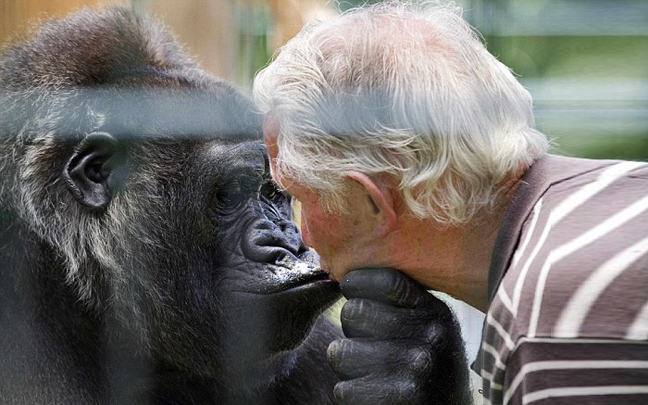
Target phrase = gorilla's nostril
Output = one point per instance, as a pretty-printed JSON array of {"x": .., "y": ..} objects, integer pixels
[
  {"x": 267, "y": 244},
  {"x": 267, "y": 234}
]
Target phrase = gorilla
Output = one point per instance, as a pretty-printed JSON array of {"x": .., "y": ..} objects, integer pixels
[{"x": 145, "y": 254}]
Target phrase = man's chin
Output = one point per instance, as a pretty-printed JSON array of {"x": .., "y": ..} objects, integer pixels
[
  {"x": 335, "y": 270},
  {"x": 333, "y": 273},
  {"x": 327, "y": 269}
]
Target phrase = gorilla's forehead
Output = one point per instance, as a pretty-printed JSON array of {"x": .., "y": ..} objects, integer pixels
[
  {"x": 212, "y": 112},
  {"x": 189, "y": 113},
  {"x": 238, "y": 156}
]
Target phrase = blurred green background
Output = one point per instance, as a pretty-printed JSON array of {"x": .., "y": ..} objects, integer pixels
[{"x": 584, "y": 61}]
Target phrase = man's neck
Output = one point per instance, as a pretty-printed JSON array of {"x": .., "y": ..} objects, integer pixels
[{"x": 453, "y": 260}]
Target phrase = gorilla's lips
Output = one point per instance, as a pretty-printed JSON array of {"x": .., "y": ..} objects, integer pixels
[
  {"x": 309, "y": 277},
  {"x": 301, "y": 274}
]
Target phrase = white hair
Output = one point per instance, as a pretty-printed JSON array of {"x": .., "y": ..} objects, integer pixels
[{"x": 405, "y": 89}]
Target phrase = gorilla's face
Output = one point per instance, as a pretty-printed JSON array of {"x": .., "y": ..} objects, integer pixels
[
  {"x": 216, "y": 268},
  {"x": 263, "y": 280}
]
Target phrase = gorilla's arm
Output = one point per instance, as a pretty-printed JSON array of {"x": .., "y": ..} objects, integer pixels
[{"x": 306, "y": 379}]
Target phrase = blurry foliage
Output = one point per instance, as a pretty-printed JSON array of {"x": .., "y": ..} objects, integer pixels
[
  {"x": 254, "y": 51},
  {"x": 604, "y": 57},
  {"x": 623, "y": 146},
  {"x": 344, "y": 5},
  {"x": 585, "y": 64},
  {"x": 611, "y": 127}
]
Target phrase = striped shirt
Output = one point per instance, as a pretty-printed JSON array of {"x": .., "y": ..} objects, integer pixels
[{"x": 568, "y": 319}]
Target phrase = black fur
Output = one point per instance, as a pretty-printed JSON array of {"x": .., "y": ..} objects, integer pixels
[{"x": 145, "y": 256}]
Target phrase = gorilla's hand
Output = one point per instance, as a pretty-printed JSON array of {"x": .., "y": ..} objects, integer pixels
[{"x": 402, "y": 346}]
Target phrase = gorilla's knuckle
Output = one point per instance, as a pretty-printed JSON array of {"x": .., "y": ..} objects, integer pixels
[
  {"x": 353, "y": 309},
  {"x": 398, "y": 287},
  {"x": 337, "y": 351},
  {"x": 405, "y": 392},
  {"x": 342, "y": 392},
  {"x": 419, "y": 360},
  {"x": 332, "y": 351},
  {"x": 434, "y": 333}
]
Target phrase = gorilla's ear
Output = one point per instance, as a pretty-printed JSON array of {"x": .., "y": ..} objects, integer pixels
[{"x": 88, "y": 172}]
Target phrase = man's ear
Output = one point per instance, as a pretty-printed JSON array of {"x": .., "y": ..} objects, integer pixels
[
  {"x": 383, "y": 201},
  {"x": 89, "y": 172}
]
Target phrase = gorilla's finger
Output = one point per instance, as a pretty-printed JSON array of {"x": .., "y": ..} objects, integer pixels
[
  {"x": 385, "y": 285},
  {"x": 372, "y": 391},
  {"x": 355, "y": 358},
  {"x": 364, "y": 318}
]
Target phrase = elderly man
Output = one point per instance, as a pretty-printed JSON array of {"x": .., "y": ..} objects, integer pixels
[{"x": 410, "y": 147}]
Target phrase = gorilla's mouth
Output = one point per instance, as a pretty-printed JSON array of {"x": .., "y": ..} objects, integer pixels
[
  {"x": 300, "y": 274},
  {"x": 314, "y": 279},
  {"x": 282, "y": 264}
]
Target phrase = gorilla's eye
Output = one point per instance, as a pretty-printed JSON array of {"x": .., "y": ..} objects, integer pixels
[{"x": 269, "y": 191}]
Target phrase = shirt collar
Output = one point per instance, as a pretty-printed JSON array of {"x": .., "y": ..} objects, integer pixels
[{"x": 544, "y": 172}]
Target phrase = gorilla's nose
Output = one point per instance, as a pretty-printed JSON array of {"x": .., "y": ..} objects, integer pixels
[{"x": 267, "y": 242}]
